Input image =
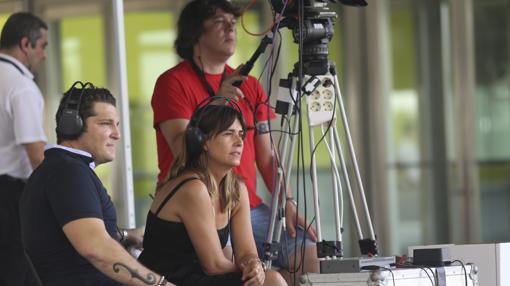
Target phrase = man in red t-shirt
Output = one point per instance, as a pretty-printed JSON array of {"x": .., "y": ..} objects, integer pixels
[{"x": 206, "y": 40}]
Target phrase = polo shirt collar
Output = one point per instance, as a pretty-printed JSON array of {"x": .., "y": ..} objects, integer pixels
[{"x": 92, "y": 165}]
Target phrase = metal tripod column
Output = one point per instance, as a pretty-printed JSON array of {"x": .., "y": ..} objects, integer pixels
[
  {"x": 285, "y": 157},
  {"x": 315, "y": 188},
  {"x": 336, "y": 180}
]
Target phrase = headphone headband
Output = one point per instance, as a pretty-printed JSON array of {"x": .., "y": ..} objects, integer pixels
[{"x": 210, "y": 100}]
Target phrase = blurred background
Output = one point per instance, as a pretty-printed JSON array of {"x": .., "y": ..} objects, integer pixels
[{"x": 426, "y": 86}]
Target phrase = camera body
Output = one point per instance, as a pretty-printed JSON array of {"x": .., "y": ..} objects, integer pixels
[
  {"x": 316, "y": 29},
  {"x": 291, "y": 5}
]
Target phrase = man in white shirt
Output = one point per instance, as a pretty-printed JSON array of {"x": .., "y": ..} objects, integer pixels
[{"x": 22, "y": 48}]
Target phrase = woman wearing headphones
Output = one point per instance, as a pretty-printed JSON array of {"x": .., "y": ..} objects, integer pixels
[{"x": 200, "y": 204}]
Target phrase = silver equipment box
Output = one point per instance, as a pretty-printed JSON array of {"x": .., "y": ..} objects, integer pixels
[
  {"x": 354, "y": 264},
  {"x": 449, "y": 276}
]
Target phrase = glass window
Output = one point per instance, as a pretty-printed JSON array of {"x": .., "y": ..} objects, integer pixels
[
  {"x": 83, "y": 55},
  {"x": 149, "y": 47},
  {"x": 492, "y": 104},
  {"x": 3, "y": 19},
  {"x": 405, "y": 162},
  {"x": 83, "y": 59}
]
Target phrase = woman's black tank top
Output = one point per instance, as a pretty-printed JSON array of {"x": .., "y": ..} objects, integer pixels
[{"x": 167, "y": 246}]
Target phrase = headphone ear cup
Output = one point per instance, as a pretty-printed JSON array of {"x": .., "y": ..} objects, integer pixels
[
  {"x": 195, "y": 138},
  {"x": 70, "y": 123}
]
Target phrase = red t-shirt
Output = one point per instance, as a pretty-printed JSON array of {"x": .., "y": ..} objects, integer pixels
[{"x": 177, "y": 93}]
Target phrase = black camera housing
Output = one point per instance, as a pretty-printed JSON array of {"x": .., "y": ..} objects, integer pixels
[{"x": 316, "y": 30}]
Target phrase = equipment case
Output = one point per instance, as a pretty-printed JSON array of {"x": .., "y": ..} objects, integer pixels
[{"x": 438, "y": 276}]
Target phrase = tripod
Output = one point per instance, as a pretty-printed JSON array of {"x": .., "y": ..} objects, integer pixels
[{"x": 322, "y": 98}]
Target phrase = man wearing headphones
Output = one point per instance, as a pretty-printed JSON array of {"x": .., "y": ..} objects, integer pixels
[
  {"x": 22, "y": 48},
  {"x": 68, "y": 221},
  {"x": 206, "y": 39}
]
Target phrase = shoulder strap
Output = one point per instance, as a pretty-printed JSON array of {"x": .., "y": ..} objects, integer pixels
[
  {"x": 206, "y": 84},
  {"x": 173, "y": 192}
]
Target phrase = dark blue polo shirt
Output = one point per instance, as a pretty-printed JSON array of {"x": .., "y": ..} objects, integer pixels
[{"x": 62, "y": 189}]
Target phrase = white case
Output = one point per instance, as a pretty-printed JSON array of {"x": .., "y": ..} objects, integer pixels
[{"x": 403, "y": 277}]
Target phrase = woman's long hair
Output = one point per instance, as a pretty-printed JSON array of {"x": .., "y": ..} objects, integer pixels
[{"x": 210, "y": 120}]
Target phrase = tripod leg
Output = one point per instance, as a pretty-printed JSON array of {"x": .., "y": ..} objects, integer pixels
[
  {"x": 277, "y": 219},
  {"x": 337, "y": 184},
  {"x": 353, "y": 157},
  {"x": 315, "y": 187},
  {"x": 347, "y": 182},
  {"x": 271, "y": 246}
]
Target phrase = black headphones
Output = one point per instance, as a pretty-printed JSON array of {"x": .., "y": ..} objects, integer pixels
[
  {"x": 195, "y": 138},
  {"x": 70, "y": 124}
]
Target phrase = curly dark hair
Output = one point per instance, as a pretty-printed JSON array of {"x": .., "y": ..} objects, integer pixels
[{"x": 190, "y": 25}]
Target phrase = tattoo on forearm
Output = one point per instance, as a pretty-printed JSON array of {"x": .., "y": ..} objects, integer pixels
[{"x": 150, "y": 279}]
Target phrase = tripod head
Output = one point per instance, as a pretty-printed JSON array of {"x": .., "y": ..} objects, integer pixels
[{"x": 316, "y": 30}]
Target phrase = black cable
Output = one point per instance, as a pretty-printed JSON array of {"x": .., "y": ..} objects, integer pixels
[
  {"x": 426, "y": 272},
  {"x": 271, "y": 72},
  {"x": 296, "y": 266},
  {"x": 424, "y": 268},
  {"x": 299, "y": 175},
  {"x": 391, "y": 272},
  {"x": 301, "y": 9},
  {"x": 464, "y": 268},
  {"x": 293, "y": 268},
  {"x": 433, "y": 274},
  {"x": 272, "y": 69},
  {"x": 299, "y": 133},
  {"x": 270, "y": 79},
  {"x": 275, "y": 160}
]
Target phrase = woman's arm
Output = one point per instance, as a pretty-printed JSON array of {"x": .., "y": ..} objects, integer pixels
[
  {"x": 195, "y": 209},
  {"x": 243, "y": 242}
]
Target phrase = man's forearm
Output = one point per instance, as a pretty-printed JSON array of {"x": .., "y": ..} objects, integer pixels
[{"x": 111, "y": 259}]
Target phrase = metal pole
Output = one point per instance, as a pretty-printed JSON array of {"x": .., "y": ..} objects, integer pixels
[
  {"x": 315, "y": 187},
  {"x": 123, "y": 171},
  {"x": 337, "y": 184},
  {"x": 348, "y": 184}
]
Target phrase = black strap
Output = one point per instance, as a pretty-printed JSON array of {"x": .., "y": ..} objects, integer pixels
[
  {"x": 206, "y": 84},
  {"x": 173, "y": 192},
  {"x": 12, "y": 63}
]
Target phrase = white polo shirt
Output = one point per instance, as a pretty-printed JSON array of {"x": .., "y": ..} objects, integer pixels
[{"x": 21, "y": 116}]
